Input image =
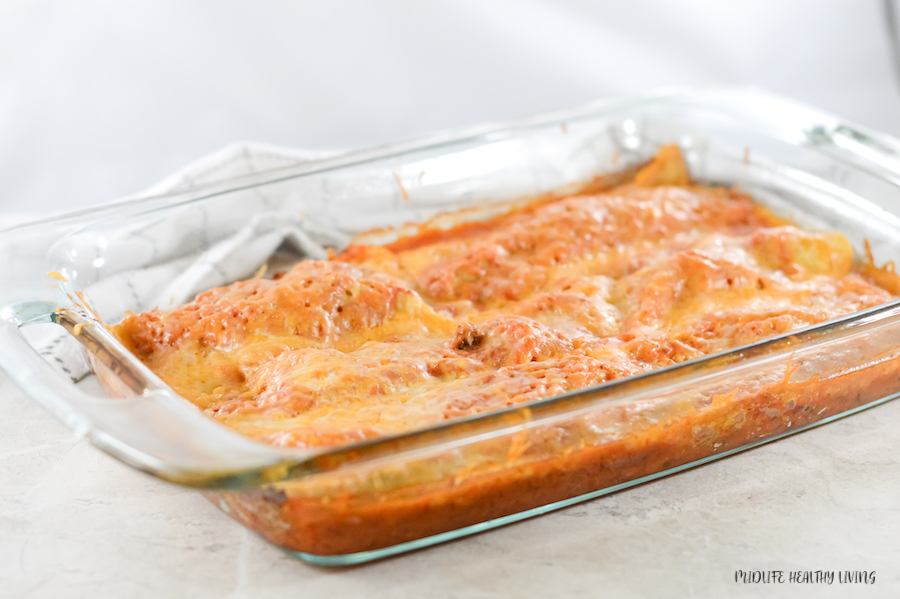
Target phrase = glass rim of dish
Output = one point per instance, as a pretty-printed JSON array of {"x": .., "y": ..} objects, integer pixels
[{"x": 292, "y": 463}]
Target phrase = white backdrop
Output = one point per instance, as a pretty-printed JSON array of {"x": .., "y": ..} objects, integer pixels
[{"x": 99, "y": 100}]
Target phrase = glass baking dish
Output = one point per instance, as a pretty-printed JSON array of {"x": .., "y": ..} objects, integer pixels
[{"x": 371, "y": 499}]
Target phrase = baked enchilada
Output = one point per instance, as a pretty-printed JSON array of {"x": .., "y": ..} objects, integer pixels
[{"x": 565, "y": 293}]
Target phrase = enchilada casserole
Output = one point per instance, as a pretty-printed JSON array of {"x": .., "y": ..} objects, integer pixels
[{"x": 564, "y": 293}]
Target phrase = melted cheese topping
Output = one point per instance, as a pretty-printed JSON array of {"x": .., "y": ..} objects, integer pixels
[{"x": 558, "y": 296}]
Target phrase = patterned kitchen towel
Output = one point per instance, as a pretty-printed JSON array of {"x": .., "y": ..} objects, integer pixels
[{"x": 188, "y": 270}]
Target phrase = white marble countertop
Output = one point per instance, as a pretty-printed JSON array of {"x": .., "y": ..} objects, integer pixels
[{"x": 77, "y": 523}]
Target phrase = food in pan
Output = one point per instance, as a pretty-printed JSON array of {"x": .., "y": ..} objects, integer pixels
[{"x": 561, "y": 294}]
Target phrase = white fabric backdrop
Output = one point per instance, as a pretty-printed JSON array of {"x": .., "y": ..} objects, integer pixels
[{"x": 100, "y": 99}]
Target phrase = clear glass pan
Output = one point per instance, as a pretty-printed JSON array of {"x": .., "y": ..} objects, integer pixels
[{"x": 364, "y": 501}]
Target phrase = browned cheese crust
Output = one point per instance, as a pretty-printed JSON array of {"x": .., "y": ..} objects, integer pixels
[{"x": 557, "y": 296}]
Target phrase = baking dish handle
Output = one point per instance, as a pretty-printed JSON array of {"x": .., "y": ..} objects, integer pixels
[{"x": 155, "y": 430}]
